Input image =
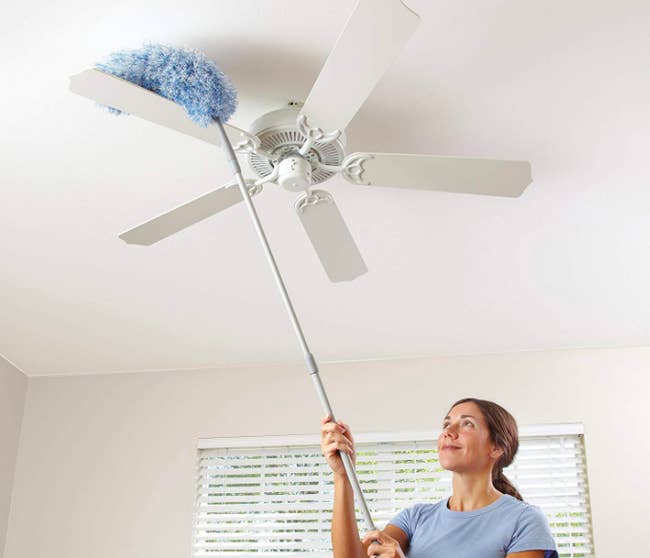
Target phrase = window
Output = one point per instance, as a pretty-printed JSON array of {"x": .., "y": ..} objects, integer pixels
[{"x": 273, "y": 495}]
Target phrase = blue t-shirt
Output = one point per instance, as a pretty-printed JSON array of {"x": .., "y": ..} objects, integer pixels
[{"x": 505, "y": 526}]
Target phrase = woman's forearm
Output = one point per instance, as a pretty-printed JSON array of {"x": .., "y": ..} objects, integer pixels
[{"x": 345, "y": 535}]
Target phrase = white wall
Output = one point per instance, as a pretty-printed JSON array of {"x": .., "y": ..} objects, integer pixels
[
  {"x": 106, "y": 463},
  {"x": 13, "y": 385}
]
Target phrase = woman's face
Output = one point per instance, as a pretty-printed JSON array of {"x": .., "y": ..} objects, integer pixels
[{"x": 464, "y": 445}]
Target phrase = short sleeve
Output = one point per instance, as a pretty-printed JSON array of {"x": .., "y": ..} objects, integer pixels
[
  {"x": 532, "y": 533},
  {"x": 405, "y": 520}
]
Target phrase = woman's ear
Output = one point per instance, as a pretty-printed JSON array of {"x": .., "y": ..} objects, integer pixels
[{"x": 496, "y": 452}]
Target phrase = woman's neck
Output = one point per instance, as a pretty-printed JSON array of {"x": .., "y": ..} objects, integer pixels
[{"x": 472, "y": 492}]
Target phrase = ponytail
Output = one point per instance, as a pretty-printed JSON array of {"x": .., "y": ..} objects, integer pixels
[{"x": 502, "y": 484}]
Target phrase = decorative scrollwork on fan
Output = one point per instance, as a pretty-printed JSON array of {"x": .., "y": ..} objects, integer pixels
[
  {"x": 353, "y": 168},
  {"x": 249, "y": 144},
  {"x": 314, "y": 197},
  {"x": 315, "y": 134}
]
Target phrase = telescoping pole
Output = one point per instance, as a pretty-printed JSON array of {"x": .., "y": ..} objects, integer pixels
[{"x": 309, "y": 358}]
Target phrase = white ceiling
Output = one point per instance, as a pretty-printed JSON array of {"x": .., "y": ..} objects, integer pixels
[{"x": 562, "y": 84}]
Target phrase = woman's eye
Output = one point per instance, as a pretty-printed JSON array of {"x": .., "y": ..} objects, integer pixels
[{"x": 469, "y": 423}]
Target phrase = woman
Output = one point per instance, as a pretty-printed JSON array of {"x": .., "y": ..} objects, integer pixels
[{"x": 485, "y": 517}]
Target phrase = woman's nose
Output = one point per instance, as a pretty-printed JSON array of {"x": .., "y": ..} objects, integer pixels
[{"x": 451, "y": 431}]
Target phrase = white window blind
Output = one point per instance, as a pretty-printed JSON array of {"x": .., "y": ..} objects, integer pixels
[{"x": 273, "y": 495}]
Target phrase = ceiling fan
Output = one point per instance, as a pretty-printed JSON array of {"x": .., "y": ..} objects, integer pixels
[{"x": 303, "y": 145}]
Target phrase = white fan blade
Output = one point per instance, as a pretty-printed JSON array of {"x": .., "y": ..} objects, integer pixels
[
  {"x": 330, "y": 236},
  {"x": 446, "y": 174},
  {"x": 121, "y": 94},
  {"x": 187, "y": 214},
  {"x": 369, "y": 43}
]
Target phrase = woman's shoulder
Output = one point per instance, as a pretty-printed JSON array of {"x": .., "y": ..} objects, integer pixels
[
  {"x": 411, "y": 518},
  {"x": 430, "y": 507},
  {"x": 532, "y": 515},
  {"x": 531, "y": 531},
  {"x": 425, "y": 509},
  {"x": 521, "y": 508}
]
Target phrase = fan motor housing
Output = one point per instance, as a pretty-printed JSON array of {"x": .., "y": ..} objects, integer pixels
[
  {"x": 295, "y": 173},
  {"x": 280, "y": 137}
]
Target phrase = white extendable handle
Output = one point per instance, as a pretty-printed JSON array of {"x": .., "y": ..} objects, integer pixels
[{"x": 309, "y": 358}]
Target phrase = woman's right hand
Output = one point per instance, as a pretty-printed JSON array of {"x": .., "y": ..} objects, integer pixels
[{"x": 335, "y": 437}]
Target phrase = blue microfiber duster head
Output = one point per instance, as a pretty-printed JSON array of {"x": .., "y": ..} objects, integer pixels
[{"x": 182, "y": 75}]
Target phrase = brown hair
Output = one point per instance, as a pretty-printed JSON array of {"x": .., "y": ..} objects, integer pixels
[{"x": 503, "y": 432}]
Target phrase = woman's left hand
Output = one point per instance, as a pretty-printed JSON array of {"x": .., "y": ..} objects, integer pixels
[{"x": 385, "y": 547}]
